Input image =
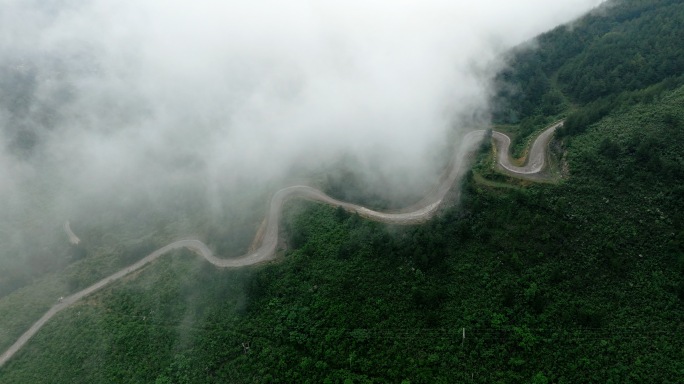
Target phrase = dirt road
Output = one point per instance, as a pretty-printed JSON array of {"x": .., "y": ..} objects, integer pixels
[
  {"x": 73, "y": 239},
  {"x": 266, "y": 251}
]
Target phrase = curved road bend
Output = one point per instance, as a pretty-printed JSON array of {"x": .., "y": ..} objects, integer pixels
[
  {"x": 73, "y": 239},
  {"x": 266, "y": 251},
  {"x": 536, "y": 156}
]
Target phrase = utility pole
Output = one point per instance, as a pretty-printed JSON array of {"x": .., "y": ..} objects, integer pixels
[{"x": 463, "y": 340}]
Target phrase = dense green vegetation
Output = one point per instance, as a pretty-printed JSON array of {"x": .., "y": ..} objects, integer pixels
[
  {"x": 579, "y": 280},
  {"x": 625, "y": 52},
  {"x": 575, "y": 282}
]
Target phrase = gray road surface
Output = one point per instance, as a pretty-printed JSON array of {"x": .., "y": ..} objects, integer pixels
[
  {"x": 266, "y": 251},
  {"x": 535, "y": 158}
]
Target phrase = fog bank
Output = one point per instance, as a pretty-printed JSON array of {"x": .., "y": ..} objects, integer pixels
[{"x": 103, "y": 100}]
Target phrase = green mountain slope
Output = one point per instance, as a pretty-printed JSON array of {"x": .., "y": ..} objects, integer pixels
[
  {"x": 576, "y": 281},
  {"x": 624, "y": 52}
]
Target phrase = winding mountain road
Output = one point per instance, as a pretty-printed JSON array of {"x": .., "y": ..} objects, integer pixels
[
  {"x": 266, "y": 251},
  {"x": 536, "y": 157}
]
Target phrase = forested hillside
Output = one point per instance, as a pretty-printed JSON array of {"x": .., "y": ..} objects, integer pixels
[
  {"x": 625, "y": 52},
  {"x": 576, "y": 280}
]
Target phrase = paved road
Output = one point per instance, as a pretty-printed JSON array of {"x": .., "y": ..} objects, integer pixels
[
  {"x": 536, "y": 156},
  {"x": 266, "y": 251}
]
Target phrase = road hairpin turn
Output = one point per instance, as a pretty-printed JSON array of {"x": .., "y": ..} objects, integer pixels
[{"x": 267, "y": 248}]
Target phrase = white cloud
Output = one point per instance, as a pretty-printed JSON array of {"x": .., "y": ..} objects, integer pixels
[{"x": 144, "y": 87}]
